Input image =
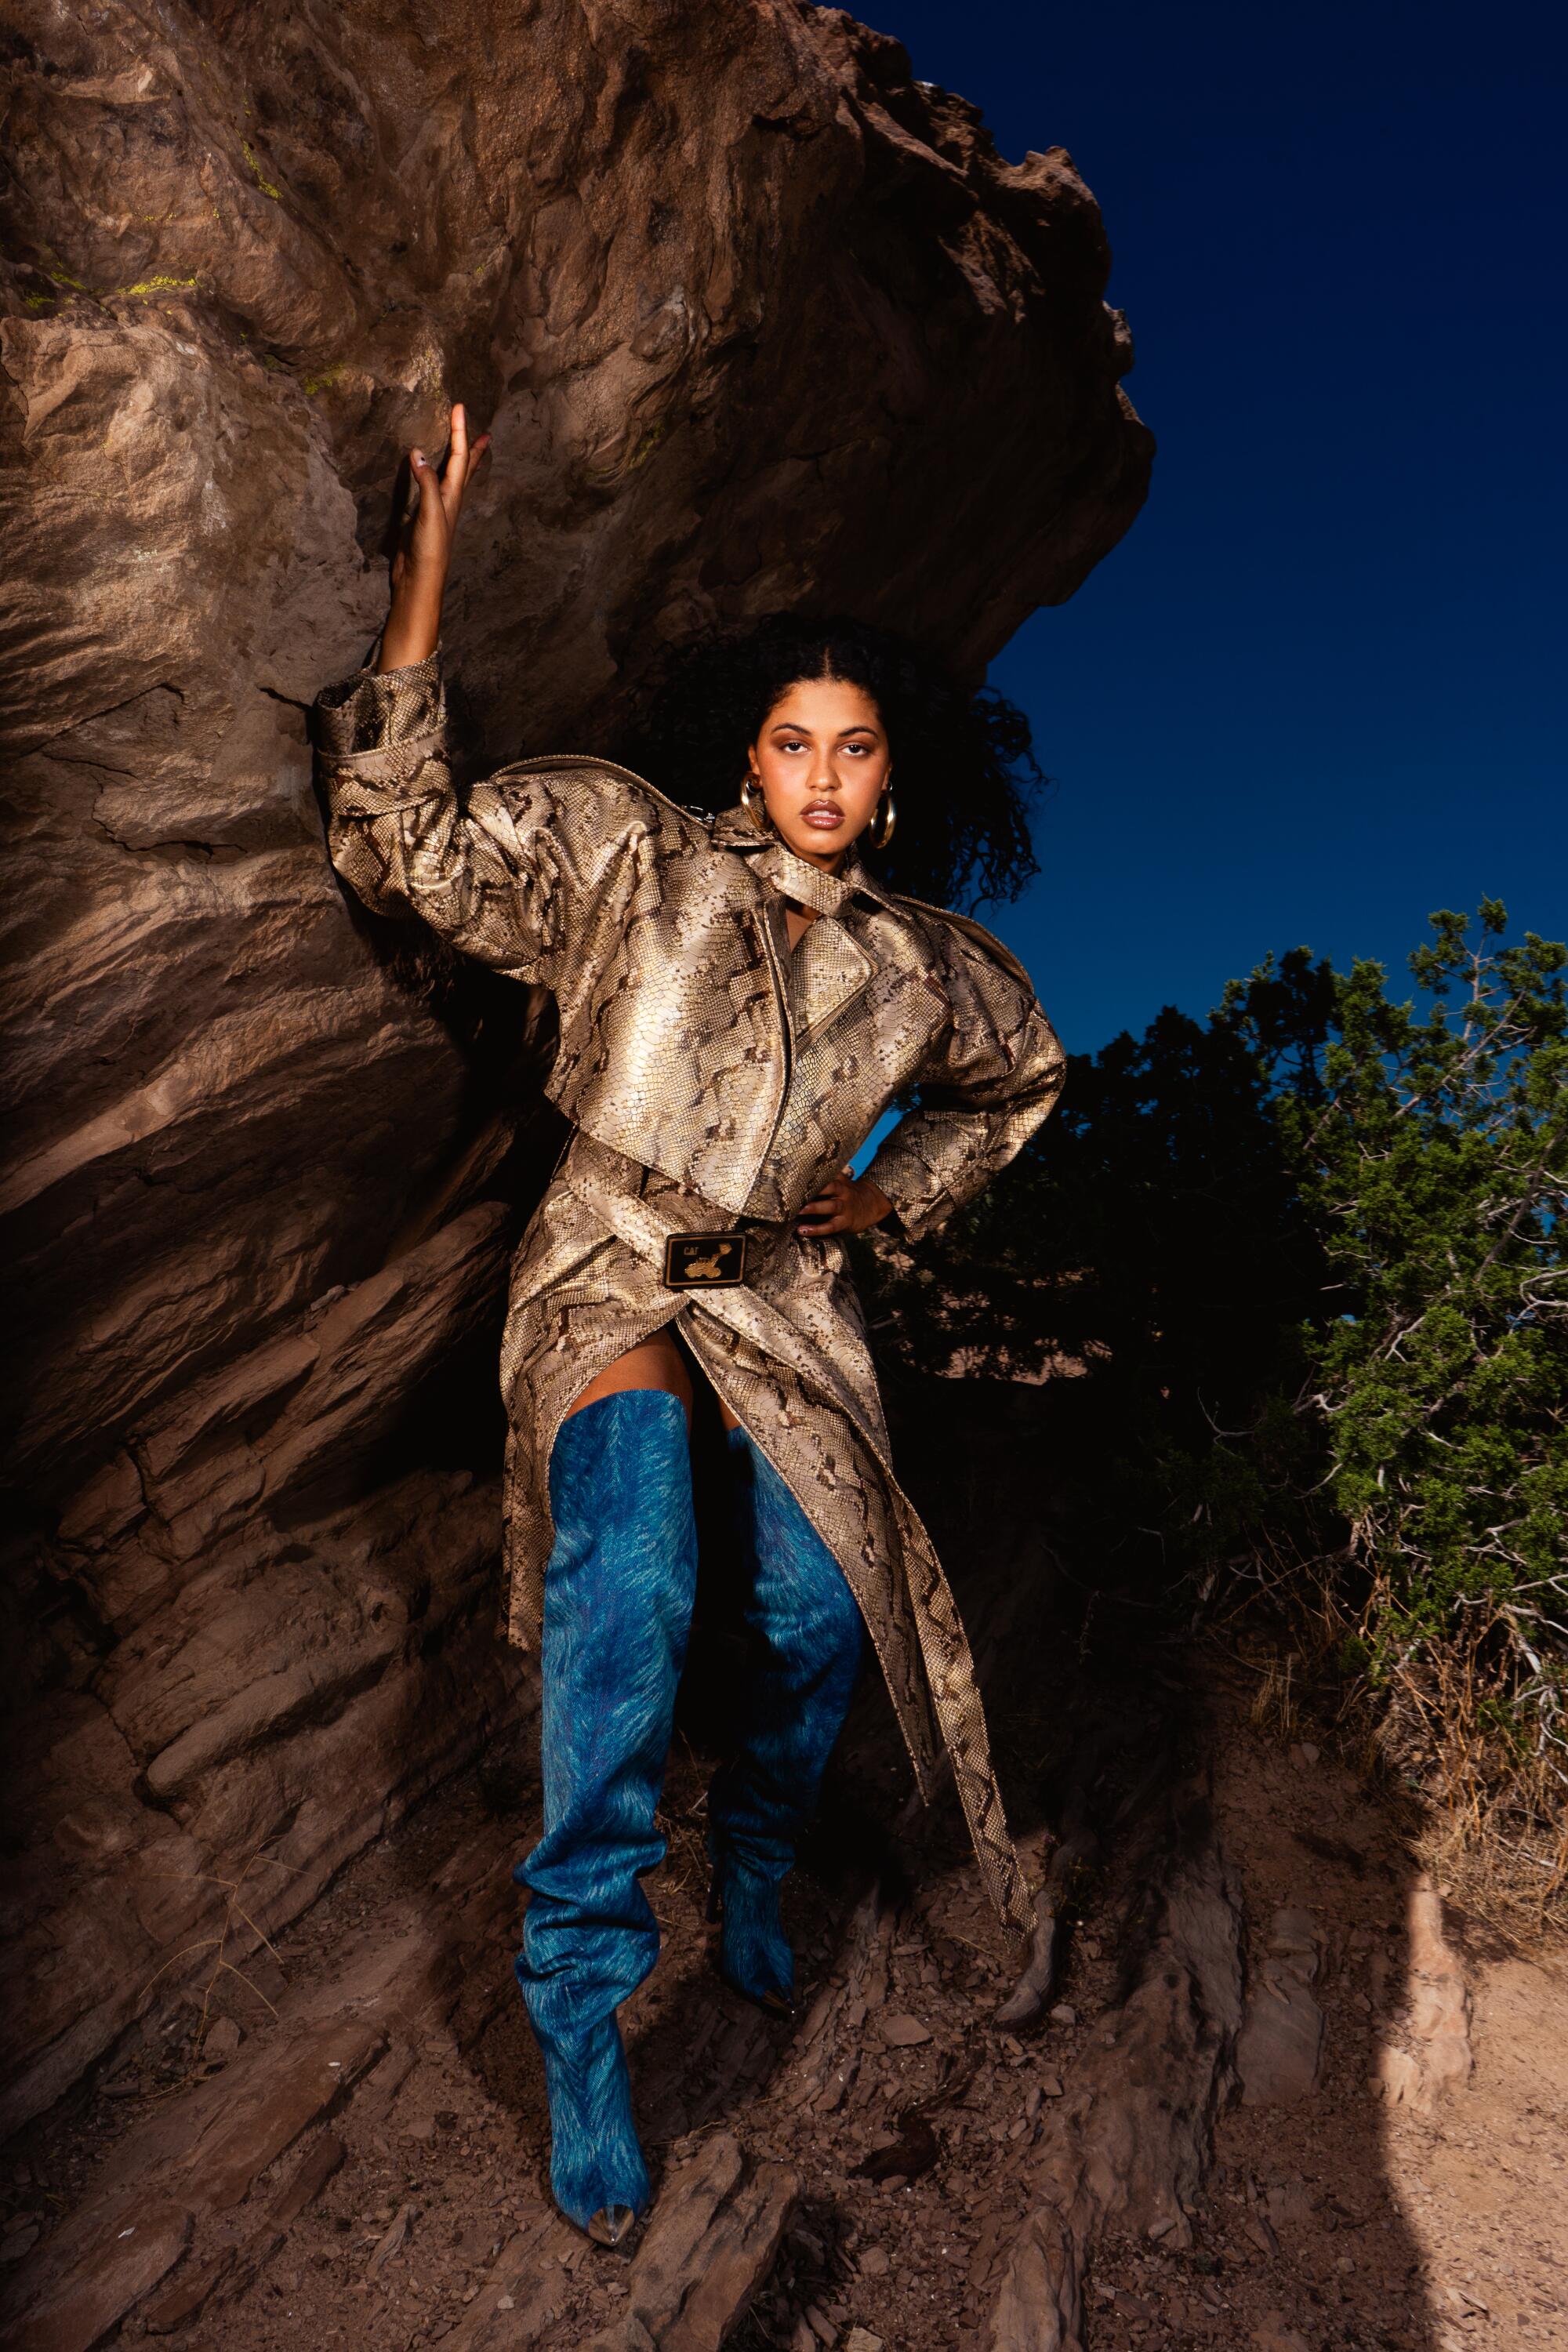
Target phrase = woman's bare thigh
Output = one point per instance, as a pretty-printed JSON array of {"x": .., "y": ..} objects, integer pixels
[{"x": 656, "y": 1362}]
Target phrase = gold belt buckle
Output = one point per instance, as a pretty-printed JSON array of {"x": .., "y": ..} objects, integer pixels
[{"x": 704, "y": 1261}]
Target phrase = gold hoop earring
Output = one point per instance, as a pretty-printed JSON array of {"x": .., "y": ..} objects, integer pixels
[
  {"x": 884, "y": 821},
  {"x": 756, "y": 808}
]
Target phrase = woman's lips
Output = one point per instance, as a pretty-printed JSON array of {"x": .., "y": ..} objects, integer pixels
[{"x": 823, "y": 816}]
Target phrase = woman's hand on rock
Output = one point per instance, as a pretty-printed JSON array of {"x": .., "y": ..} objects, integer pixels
[
  {"x": 846, "y": 1205},
  {"x": 425, "y": 546}
]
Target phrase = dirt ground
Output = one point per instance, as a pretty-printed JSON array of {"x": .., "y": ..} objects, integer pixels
[
  {"x": 921, "y": 2137},
  {"x": 1343, "y": 2219}
]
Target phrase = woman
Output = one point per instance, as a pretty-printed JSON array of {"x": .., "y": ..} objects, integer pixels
[{"x": 740, "y": 1000}]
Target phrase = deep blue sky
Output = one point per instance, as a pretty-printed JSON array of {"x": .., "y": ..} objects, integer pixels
[{"x": 1316, "y": 691}]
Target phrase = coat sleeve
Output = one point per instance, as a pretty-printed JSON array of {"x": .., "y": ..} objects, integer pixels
[
  {"x": 500, "y": 877},
  {"x": 996, "y": 1071}
]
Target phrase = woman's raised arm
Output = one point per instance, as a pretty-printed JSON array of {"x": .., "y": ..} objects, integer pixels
[
  {"x": 501, "y": 872},
  {"x": 424, "y": 554}
]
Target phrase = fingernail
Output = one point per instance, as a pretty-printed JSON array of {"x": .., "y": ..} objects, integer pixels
[{"x": 416, "y": 457}]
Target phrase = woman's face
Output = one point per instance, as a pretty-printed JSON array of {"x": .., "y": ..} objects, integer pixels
[{"x": 821, "y": 761}]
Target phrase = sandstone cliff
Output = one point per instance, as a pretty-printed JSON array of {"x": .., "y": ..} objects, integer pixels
[{"x": 752, "y": 316}]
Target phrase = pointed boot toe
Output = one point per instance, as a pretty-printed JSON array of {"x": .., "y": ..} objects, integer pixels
[
  {"x": 770, "y": 1998},
  {"x": 612, "y": 2225},
  {"x": 778, "y": 2004}
]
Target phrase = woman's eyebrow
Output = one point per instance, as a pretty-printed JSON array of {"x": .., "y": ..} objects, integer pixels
[{"x": 791, "y": 727}]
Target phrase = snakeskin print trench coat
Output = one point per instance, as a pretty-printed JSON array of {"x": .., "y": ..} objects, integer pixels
[{"x": 714, "y": 1078}]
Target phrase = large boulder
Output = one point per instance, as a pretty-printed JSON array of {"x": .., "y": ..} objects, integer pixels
[{"x": 754, "y": 316}]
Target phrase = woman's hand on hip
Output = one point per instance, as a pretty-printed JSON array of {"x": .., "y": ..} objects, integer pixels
[
  {"x": 846, "y": 1205},
  {"x": 425, "y": 546}
]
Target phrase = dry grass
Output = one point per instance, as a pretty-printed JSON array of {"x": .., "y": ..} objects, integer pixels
[
  {"x": 235, "y": 1927},
  {"x": 1494, "y": 1826},
  {"x": 1484, "y": 1812},
  {"x": 1274, "y": 1711}
]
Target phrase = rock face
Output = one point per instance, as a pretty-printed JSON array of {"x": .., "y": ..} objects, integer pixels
[
  {"x": 1280, "y": 2046},
  {"x": 734, "y": 295}
]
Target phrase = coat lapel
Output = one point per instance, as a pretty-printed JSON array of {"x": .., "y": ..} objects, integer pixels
[{"x": 829, "y": 969}]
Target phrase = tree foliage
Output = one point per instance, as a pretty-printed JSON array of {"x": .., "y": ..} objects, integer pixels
[
  {"x": 1432, "y": 1159},
  {"x": 1308, "y": 1261}
]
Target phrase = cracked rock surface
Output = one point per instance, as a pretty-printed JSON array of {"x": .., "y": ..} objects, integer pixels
[{"x": 732, "y": 291}]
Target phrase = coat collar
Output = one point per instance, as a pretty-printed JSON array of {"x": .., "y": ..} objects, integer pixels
[
  {"x": 830, "y": 967},
  {"x": 776, "y": 864}
]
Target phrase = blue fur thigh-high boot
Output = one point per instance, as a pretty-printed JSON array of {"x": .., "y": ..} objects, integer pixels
[
  {"x": 808, "y": 1638},
  {"x": 619, "y": 1590}
]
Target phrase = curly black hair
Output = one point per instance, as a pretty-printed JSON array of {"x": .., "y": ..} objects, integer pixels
[{"x": 963, "y": 772}]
